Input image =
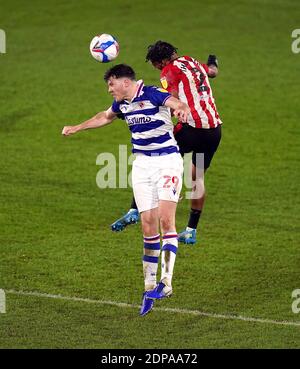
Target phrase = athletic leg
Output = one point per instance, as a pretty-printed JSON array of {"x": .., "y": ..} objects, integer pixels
[
  {"x": 169, "y": 187},
  {"x": 167, "y": 211}
]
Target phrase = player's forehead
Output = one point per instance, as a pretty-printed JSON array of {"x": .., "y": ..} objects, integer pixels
[{"x": 113, "y": 80}]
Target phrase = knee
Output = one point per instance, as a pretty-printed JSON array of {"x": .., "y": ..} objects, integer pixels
[
  {"x": 167, "y": 224},
  {"x": 149, "y": 226},
  {"x": 199, "y": 190},
  {"x": 148, "y": 229}
]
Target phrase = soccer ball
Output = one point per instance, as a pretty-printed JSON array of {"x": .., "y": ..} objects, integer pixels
[{"x": 104, "y": 48}]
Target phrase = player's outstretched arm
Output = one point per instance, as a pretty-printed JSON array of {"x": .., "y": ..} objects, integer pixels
[
  {"x": 180, "y": 109},
  {"x": 99, "y": 120}
]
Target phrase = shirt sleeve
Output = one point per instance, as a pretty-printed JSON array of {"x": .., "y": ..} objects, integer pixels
[
  {"x": 158, "y": 96},
  {"x": 116, "y": 107},
  {"x": 169, "y": 79},
  {"x": 205, "y": 66}
]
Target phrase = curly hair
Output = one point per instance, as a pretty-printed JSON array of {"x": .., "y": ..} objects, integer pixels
[{"x": 159, "y": 51}]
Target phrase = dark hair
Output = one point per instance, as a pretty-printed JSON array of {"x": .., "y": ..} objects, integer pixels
[
  {"x": 119, "y": 71},
  {"x": 159, "y": 51}
]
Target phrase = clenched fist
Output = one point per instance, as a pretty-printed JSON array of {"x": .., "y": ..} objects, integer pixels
[{"x": 69, "y": 130}]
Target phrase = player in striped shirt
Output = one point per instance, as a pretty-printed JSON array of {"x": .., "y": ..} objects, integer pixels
[
  {"x": 187, "y": 79},
  {"x": 157, "y": 169}
]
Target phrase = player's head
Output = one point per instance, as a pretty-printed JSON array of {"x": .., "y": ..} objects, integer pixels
[
  {"x": 120, "y": 80},
  {"x": 161, "y": 53}
]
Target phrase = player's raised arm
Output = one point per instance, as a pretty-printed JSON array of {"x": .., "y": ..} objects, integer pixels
[
  {"x": 99, "y": 120},
  {"x": 180, "y": 109},
  {"x": 213, "y": 66}
]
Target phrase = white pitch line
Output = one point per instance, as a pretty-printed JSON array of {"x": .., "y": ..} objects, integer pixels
[{"x": 167, "y": 310}]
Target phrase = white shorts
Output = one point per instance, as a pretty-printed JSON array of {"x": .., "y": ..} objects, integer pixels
[{"x": 156, "y": 178}]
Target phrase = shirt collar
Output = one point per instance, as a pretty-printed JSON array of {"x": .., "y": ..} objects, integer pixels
[
  {"x": 140, "y": 85},
  {"x": 139, "y": 89}
]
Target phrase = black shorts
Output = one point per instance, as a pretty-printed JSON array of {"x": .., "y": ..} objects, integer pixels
[{"x": 199, "y": 140}]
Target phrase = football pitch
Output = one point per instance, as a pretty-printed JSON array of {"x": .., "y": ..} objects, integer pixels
[{"x": 69, "y": 281}]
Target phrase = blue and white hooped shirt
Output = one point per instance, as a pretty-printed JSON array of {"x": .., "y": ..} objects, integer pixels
[{"x": 148, "y": 120}]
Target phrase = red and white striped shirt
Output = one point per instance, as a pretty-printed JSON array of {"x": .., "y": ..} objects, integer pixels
[{"x": 189, "y": 79}]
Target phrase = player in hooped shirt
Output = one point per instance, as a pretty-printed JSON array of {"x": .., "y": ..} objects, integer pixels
[
  {"x": 157, "y": 169},
  {"x": 187, "y": 79}
]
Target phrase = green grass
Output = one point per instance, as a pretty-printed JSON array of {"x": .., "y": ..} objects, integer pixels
[{"x": 54, "y": 220}]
